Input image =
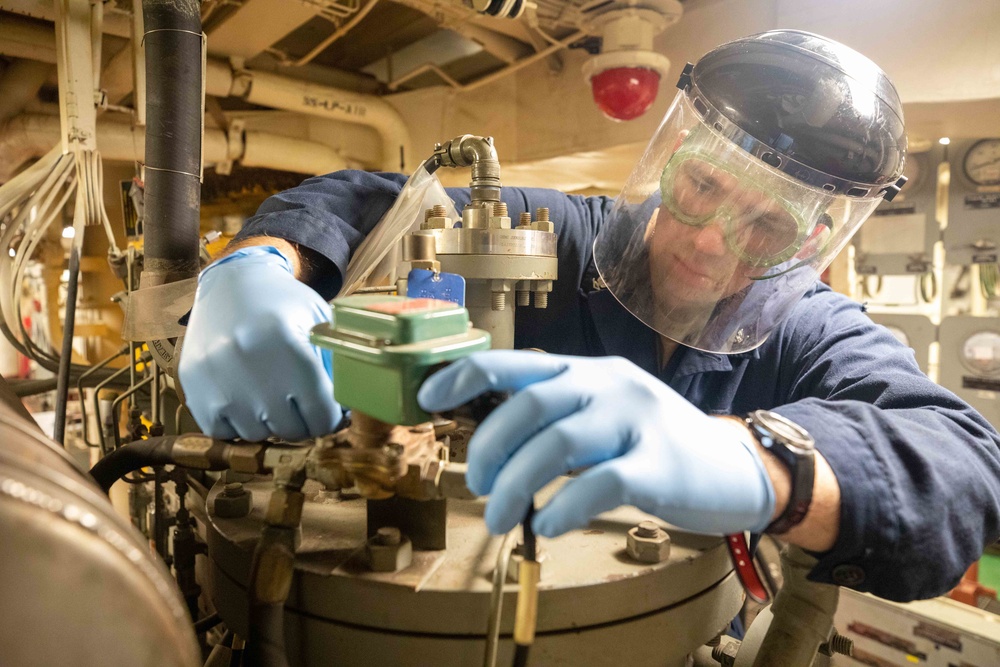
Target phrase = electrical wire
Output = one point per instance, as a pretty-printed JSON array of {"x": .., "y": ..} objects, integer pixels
[
  {"x": 496, "y": 600},
  {"x": 30, "y": 203}
]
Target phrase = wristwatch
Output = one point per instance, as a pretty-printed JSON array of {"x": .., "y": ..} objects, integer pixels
[{"x": 796, "y": 449}]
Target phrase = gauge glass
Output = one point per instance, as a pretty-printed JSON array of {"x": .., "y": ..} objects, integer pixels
[
  {"x": 982, "y": 162},
  {"x": 981, "y": 352},
  {"x": 898, "y": 334}
]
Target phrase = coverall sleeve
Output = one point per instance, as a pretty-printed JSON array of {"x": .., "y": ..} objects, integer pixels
[
  {"x": 332, "y": 214},
  {"x": 918, "y": 468}
]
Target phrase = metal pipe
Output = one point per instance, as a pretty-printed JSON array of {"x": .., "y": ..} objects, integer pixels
[
  {"x": 30, "y": 135},
  {"x": 278, "y": 92},
  {"x": 173, "y": 42}
]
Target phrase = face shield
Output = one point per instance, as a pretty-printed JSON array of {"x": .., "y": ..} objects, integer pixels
[{"x": 712, "y": 247}]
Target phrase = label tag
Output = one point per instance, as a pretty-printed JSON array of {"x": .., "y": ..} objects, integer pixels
[{"x": 423, "y": 284}]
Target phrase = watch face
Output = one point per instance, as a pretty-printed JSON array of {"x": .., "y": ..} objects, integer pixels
[{"x": 785, "y": 429}]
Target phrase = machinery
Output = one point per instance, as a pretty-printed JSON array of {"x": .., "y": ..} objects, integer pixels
[
  {"x": 368, "y": 540},
  {"x": 364, "y": 546}
]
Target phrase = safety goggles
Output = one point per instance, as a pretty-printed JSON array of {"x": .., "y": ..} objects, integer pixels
[{"x": 761, "y": 228}]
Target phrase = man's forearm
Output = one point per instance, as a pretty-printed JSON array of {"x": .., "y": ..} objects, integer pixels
[
  {"x": 821, "y": 526},
  {"x": 289, "y": 250}
]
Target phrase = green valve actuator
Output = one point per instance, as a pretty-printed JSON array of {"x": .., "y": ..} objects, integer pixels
[{"x": 384, "y": 347}]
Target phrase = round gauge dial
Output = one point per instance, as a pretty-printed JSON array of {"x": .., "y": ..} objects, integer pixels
[
  {"x": 981, "y": 352},
  {"x": 982, "y": 162},
  {"x": 898, "y": 334}
]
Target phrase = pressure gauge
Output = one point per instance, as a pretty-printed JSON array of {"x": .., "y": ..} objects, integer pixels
[
  {"x": 982, "y": 162},
  {"x": 981, "y": 352}
]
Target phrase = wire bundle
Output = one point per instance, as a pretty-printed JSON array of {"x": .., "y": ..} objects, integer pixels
[{"x": 29, "y": 204}]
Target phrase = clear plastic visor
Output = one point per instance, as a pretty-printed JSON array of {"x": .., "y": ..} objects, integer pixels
[{"x": 712, "y": 247}]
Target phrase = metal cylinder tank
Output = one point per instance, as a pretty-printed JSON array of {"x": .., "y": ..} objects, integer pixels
[
  {"x": 597, "y": 606},
  {"x": 78, "y": 583}
]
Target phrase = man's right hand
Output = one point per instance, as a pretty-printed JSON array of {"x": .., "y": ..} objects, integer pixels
[{"x": 247, "y": 367}]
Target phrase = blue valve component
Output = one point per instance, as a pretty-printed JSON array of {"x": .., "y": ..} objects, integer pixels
[{"x": 424, "y": 284}]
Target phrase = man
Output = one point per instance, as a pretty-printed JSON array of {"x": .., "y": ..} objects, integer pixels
[{"x": 776, "y": 149}]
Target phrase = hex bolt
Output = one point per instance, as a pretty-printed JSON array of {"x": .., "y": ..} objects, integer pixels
[
  {"x": 542, "y": 222},
  {"x": 498, "y": 216},
  {"x": 436, "y": 217},
  {"x": 648, "y": 543},
  {"x": 647, "y": 529},
  {"x": 234, "y": 502},
  {"x": 388, "y": 536},
  {"x": 389, "y": 551},
  {"x": 523, "y": 298},
  {"x": 524, "y": 220},
  {"x": 541, "y": 299}
]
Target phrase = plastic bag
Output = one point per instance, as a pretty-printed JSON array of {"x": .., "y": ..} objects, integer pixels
[{"x": 377, "y": 259}]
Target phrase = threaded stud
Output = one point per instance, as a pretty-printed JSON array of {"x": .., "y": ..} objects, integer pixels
[{"x": 499, "y": 301}]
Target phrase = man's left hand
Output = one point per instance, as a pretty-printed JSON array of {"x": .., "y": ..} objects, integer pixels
[{"x": 644, "y": 444}]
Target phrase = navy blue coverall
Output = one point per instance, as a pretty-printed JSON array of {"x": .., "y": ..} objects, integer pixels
[{"x": 919, "y": 470}]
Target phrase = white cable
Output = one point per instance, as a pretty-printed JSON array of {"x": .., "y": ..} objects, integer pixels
[{"x": 496, "y": 600}]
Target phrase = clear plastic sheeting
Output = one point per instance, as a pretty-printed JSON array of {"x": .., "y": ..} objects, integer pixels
[
  {"x": 377, "y": 259},
  {"x": 712, "y": 247}
]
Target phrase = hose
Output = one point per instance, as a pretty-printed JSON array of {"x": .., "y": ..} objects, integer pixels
[
  {"x": 62, "y": 385},
  {"x": 133, "y": 456}
]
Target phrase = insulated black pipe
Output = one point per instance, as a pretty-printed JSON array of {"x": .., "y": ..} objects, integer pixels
[
  {"x": 65, "y": 358},
  {"x": 173, "y": 42}
]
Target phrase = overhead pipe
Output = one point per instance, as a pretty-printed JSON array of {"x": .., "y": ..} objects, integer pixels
[
  {"x": 173, "y": 42},
  {"x": 30, "y": 135},
  {"x": 279, "y": 92},
  {"x": 36, "y": 41}
]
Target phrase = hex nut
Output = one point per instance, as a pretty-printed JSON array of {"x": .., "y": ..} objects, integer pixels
[
  {"x": 389, "y": 557},
  {"x": 234, "y": 502},
  {"x": 645, "y": 548}
]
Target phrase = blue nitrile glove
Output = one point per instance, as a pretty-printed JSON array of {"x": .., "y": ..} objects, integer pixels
[
  {"x": 247, "y": 367},
  {"x": 648, "y": 446}
]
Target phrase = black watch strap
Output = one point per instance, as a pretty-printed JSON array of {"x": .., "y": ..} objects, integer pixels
[{"x": 795, "y": 448}]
